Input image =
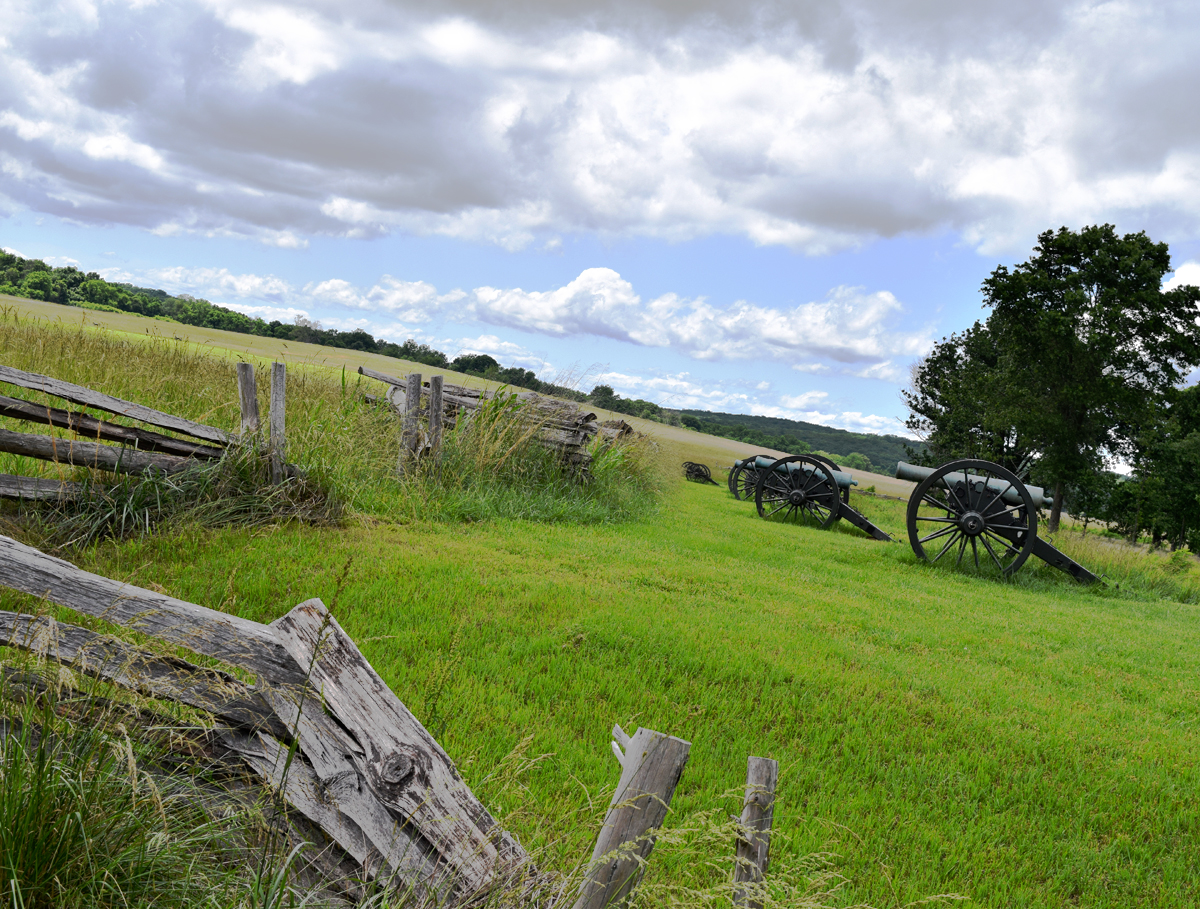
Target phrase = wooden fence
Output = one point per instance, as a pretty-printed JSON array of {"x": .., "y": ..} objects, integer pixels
[
  {"x": 366, "y": 771},
  {"x": 137, "y": 450}
]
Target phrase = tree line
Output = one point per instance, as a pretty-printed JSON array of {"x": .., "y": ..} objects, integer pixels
[{"x": 1080, "y": 364}]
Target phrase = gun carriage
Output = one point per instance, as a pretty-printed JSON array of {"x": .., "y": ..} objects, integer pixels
[
  {"x": 980, "y": 511},
  {"x": 808, "y": 488},
  {"x": 745, "y": 473}
]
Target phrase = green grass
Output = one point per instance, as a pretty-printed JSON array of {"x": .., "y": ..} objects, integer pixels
[
  {"x": 1029, "y": 743},
  {"x": 1023, "y": 744}
]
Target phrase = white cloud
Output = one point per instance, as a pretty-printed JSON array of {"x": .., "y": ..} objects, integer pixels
[
  {"x": 1187, "y": 273},
  {"x": 816, "y": 126}
]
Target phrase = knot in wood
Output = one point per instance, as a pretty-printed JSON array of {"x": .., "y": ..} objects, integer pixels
[{"x": 397, "y": 769}]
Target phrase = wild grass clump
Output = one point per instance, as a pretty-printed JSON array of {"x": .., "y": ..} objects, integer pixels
[
  {"x": 235, "y": 490},
  {"x": 494, "y": 465},
  {"x": 82, "y": 824}
]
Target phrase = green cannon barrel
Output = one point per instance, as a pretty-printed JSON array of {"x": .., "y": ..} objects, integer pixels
[
  {"x": 915, "y": 474},
  {"x": 843, "y": 480}
]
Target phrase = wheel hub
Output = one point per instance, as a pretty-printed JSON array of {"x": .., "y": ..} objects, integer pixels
[
  {"x": 971, "y": 523},
  {"x": 797, "y": 497}
]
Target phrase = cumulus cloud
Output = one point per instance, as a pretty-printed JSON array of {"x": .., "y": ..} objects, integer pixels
[
  {"x": 851, "y": 328},
  {"x": 814, "y": 125},
  {"x": 1187, "y": 273}
]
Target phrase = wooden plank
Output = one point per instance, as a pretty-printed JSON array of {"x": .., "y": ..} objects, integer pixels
[
  {"x": 248, "y": 398},
  {"x": 275, "y": 419},
  {"x": 336, "y": 759},
  {"x": 230, "y": 638},
  {"x": 435, "y": 413},
  {"x": 754, "y": 847},
  {"x": 37, "y": 489},
  {"x": 90, "y": 454},
  {"x": 155, "y": 675},
  {"x": 88, "y": 426},
  {"x": 410, "y": 432},
  {"x": 77, "y": 394},
  {"x": 401, "y": 764},
  {"x": 651, "y": 765}
]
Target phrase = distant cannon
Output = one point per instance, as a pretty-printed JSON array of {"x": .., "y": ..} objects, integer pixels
[
  {"x": 808, "y": 488},
  {"x": 981, "y": 507},
  {"x": 745, "y": 473},
  {"x": 698, "y": 473}
]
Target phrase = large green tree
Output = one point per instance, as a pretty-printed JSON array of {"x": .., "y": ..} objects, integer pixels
[{"x": 1082, "y": 347}]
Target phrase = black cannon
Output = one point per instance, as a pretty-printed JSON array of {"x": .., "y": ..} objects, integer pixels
[
  {"x": 698, "y": 473},
  {"x": 980, "y": 511},
  {"x": 808, "y": 488},
  {"x": 745, "y": 473}
]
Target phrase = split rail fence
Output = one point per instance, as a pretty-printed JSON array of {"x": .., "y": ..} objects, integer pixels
[{"x": 364, "y": 770}]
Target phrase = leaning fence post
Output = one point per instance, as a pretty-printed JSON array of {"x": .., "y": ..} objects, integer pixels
[
  {"x": 651, "y": 765},
  {"x": 410, "y": 433},
  {"x": 277, "y": 443},
  {"x": 435, "y": 413},
  {"x": 754, "y": 851},
  {"x": 247, "y": 398}
]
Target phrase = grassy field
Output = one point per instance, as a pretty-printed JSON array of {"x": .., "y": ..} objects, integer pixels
[{"x": 1021, "y": 744}]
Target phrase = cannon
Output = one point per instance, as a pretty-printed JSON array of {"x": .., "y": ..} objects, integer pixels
[
  {"x": 808, "y": 488},
  {"x": 698, "y": 473},
  {"x": 745, "y": 473},
  {"x": 980, "y": 510}
]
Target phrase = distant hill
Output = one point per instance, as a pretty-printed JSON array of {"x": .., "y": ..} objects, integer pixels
[{"x": 797, "y": 436}]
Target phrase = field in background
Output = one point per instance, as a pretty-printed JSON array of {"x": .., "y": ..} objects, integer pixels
[{"x": 1025, "y": 744}]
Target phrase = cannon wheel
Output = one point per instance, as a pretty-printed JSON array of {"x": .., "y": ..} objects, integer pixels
[
  {"x": 824, "y": 460},
  {"x": 971, "y": 519},
  {"x": 798, "y": 495},
  {"x": 746, "y": 482}
]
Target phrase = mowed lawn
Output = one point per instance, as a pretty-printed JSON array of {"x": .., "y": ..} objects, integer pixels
[{"x": 1021, "y": 747}]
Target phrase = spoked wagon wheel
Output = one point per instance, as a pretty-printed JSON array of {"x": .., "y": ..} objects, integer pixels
[
  {"x": 745, "y": 482},
  {"x": 973, "y": 509},
  {"x": 824, "y": 460},
  {"x": 798, "y": 488}
]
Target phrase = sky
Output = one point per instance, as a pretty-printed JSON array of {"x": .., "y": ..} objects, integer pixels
[{"x": 760, "y": 207}]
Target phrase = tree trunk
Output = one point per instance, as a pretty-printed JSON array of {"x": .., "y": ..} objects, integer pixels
[{"x": 1056, "y": 508}]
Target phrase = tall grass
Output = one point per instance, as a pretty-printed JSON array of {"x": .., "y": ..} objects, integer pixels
[
  {"x": 82, "y": 824},
  {"x": 491, "y": 465}
]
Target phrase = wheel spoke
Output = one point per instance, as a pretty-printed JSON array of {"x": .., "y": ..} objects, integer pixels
[
  {"x": 975, "y": 551},
  {"x": 776, "y": 511},
  {"x": 945, "y": 548},
  {"x": 992, "y": 553},
  {"x": 942, "y": 506},
  {"x": 939, "y": 533},
  {"x": 998, "y": 497},
  {"x": 962, "y": 549},
  {"x": 1003, "y": 542},
  {"x": 938, "y": 520}
]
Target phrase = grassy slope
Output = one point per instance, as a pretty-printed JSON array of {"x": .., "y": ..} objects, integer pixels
[{"x": 1029, "y": 744}]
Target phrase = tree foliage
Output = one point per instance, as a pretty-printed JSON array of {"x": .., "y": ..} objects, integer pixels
[{"x": 1072, "y": 367}]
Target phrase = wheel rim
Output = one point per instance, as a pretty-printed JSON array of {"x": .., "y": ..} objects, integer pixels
[
  {"x": 805, "y": 493},
  {"x": 973, "y": 511}
]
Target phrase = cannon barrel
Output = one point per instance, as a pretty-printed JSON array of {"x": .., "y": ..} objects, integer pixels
[
  {"x": 842, "y": 479},
  {"x": 914, "y": 473}
]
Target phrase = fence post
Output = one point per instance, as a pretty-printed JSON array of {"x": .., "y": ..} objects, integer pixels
[
  {"x": 754, "y": 852},
  {"x": 651, "y": 765},
  {"x": 435, "y": 413},
  {"x": 410, "y": 433},
  {"x": 248, "y": 398},
  {"x": 277, "y": 442}
]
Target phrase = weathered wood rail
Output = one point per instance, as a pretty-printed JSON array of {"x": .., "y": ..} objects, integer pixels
[
  {"x": 321, "y": 728},
  {"x": 562, "y": 426},
  {"x": 138, "y": 450}
]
